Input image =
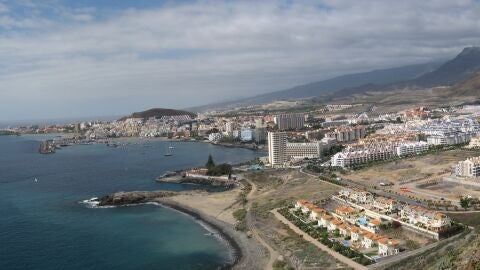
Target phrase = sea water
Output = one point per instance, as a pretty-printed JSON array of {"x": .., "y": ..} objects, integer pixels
[{"x": 43, "y": 225}]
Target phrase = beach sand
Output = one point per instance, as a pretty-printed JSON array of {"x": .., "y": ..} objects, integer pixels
[
  {"x": 219, "y": 205},
  {"x": 215, "y": 210}
]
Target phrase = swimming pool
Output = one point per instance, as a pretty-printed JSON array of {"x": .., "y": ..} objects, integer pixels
[{"x": 363, "y": 221}]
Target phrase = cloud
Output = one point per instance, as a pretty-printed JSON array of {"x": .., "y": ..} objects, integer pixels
[
  {"x": 179, "y": 55},
  {"x": 3, "y": 8}
]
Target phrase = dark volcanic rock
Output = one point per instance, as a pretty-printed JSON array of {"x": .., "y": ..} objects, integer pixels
[{"x": 133, "y": 197}]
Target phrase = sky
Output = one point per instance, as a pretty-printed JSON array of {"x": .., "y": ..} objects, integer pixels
[{"x": 73, "y": 58}]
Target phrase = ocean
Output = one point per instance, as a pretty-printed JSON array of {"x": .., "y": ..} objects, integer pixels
[{"x": 43, "y": 225}]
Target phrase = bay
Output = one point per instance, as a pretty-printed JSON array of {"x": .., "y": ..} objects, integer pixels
[{"x": 43, "y": 225}]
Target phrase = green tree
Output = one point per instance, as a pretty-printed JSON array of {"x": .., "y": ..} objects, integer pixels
[
  {"x": 210, "y": 164},
  {"x": 464, "y": 202}
]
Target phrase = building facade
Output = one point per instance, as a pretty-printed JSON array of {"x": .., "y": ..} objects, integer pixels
[
  {"x": 468, "y": 168},
  {"x": 277, "y": 145},
  {"x": 289, "y": 121},
  {"x": 303, "y": 150}
]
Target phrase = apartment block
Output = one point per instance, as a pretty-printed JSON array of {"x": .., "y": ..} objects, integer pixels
[
  {"x": 468, "y": 168},
  {"x": 289, "y": 121}
]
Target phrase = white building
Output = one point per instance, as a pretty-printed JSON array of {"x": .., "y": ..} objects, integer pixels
[
  {"x": 215, "y": 137},
  {"x": 430, "y": 220},
  {"x": 246, "y": 135},
  {"x": 468, "y": 168},
  {"x": 451, "y": 138},
  {"x": 350, "y": 158},
  {"x": 387, "y": 247},
  {"x": 356, "y": 195},
  {"x": 277, "y": 145},
  {"x": 411, "y": 148},
  {"x": 229, "y": 126},
  {"x": 347, "y": 134},
  {"x": 474, "y": 143},
  {"x": 303, "y": 150}
]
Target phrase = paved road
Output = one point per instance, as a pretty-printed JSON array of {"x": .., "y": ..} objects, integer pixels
[{"x": 315, "y": 242}]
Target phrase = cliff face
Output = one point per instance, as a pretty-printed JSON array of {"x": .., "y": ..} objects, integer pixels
[{"x": 133, "y": 197}]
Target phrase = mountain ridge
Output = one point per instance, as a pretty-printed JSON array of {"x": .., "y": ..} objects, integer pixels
[{"x": 418, "y": 76}]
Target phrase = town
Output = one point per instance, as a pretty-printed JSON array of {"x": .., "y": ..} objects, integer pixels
[{"x": 360, "y": 220}]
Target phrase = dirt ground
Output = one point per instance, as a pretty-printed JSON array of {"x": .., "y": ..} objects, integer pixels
[
  {"x": 422, "y": 176},
  {"x": 277, "y": 188}
]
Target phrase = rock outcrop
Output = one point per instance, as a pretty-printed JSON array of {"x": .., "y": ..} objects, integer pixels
[{"x": 133, "y": 197}]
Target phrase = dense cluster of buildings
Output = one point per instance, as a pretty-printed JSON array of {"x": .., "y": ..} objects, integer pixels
[
  {"x": 363, "y": 231},
  {"x": 445, "y": 131},
  {"x": 347, "y": 133},
  {"x": 399, "y": 140},
  {"x": 375, "y": 152},
  {"x": 389, "y": 209},
  {"x": 280, "y": 151}
]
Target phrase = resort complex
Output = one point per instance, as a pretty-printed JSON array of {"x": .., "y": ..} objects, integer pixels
[{"x": 363, "y": 222}]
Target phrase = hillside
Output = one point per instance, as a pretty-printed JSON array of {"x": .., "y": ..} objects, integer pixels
[
  {"x": 158, "y": 113},
  {"x": 414, "y": 77},
  {"x": 376, "y": 77},
  {"x": 468, "y": 87},
  {"x": 458, "y": 69}
]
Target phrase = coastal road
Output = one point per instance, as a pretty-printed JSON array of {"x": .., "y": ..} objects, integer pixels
[
  {"x": 273, "y": 255},
  {"x": 315, "y": 242}
]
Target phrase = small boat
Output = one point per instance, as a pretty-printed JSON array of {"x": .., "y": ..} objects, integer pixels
[
  {"x": 168, "y": 153},
  {"x": 36, "y": 180}
]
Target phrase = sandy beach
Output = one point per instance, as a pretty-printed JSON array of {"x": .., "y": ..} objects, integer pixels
[
  {"x": 247, "y": 253},
  {"x": 216, "y": 209}
]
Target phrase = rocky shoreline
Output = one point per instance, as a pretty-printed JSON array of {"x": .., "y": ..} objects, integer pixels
[{"x": 133, "y": 197}]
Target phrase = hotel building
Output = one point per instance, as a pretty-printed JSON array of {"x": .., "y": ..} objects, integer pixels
[
  {"x": 289, "y": 121},
  {"x": 347, "y": 134},
  {"x": 303, "y": 150},
  {"x": 277, "y": 145}
]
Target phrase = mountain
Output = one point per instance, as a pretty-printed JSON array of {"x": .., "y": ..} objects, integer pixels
[
  {"x": 158, "y": 113},
  {"x": 468, "y": 87},
  {"x": 350, "y": 83},
  {"x": 464, "y": 65},
  {"x": 419, "y": 76},
  {"x": 375, "y": 77}
]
